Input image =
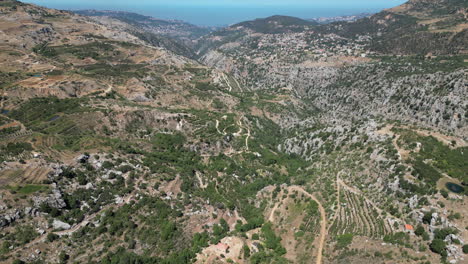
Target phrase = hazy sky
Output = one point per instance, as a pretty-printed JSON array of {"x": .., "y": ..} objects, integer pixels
[
  {"x": 224, "y": 12},
  {"x": 364, "y": 3}
]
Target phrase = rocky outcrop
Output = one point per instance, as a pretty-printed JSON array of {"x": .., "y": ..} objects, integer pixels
[
  {"x": 9, "y": 218},
  {"x": 15, "y": 214},
  {"x": 54, "y": 200}
]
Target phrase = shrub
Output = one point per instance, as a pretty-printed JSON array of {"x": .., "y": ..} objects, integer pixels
[
  {"x": 52, "y": 237},
  {"x": 344, "y": 240},
  {"x": 444, "y": 232},
  {"x": 465, "y": 249},
  {"x": 25, "y": 234},
  {"x": 63, "y": 257},
  {"x": 246, "y": 250},
  {"x": 444, "y": 193},
  {"x": 419, "y": 230}
]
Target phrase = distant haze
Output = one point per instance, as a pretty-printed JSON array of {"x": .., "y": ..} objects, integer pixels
[{"x": 226, "y": 12}]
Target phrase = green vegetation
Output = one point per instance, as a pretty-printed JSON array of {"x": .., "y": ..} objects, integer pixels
[
  {"x": 119, "y": 71},
  {"x": 28, "y": 189},
  {"x": 444, "y": 159},
  {"x": 9, "y": 130},
  {"x": 272, "y": 241},
  {"x": 7, "y": 78},
  {"x": 399, "y": 238},
  {"x": 344, "y": 241},
  {"x": 438, "y": 246},
  {"x": 277, "y": 24},
  {"x": 420, "y": 231},
  {"x": 444, "y": 232},
  {"x": 94, "y": 50},
  {"x": 22, "y": 234},
  {"x": 425, "y": 65},
  {"x": 14, "y": 149},
  {"x": 465, "y": 249},
  {"x": 38, "y": 111},
  {"x": 156, "y": 168},
  {"x": 273, "y": 250}
]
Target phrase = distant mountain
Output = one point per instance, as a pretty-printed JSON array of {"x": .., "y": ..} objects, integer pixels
[
  {"x": 351, "y": 18},
  {"x": 276, "y": 24},
  {"x": 269, "y": 26},
  {"x": 176, "y": 36},
  {"x": 416, "y": 27},
  {"x": 172, "y": 28}
]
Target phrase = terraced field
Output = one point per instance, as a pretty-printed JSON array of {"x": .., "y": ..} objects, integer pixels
[
  {"x": 358, "y": 216},
  {"x": 34, "y": 174},
  {"x": 30, "y": 175}
]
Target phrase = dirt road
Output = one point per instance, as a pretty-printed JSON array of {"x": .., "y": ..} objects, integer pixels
[
  {"x": 323, "y": 224},
  {"x": 323, "y": 216},
  {"x": 271, "y": 218}
]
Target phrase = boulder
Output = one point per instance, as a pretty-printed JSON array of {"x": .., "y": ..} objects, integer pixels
[{"x": 57, "y": 224}]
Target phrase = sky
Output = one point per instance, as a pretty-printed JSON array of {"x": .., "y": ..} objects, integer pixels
[{"x": 226, "y": 12}]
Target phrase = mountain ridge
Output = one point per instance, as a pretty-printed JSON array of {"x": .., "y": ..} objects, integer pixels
[{"x": 275, "y": 24}]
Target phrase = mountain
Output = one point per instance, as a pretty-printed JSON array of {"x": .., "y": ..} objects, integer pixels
[
  {"x": 351, "y": 18},
  {"x": 417, "y": 27},
  {"x": 276, "y": 24},
  {"x": 176, "y": 36},
  {"x": 284, "y": 142},
  {"x": 171, "y": 28},
  {"x": 313, "y": 62}
]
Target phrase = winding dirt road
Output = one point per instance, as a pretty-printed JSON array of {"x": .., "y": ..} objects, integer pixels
[
  {"x": 323, "y": 222},
  {"x": 271, "y": 217},
  {"x": 323, "y": 216}
]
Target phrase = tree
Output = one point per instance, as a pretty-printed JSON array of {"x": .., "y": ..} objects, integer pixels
[
  {"x": 52, "y": 237},
  {"x": 246, "y": 250},
  {"x": 427, "y": 217},
  {"x": 444, "y": 193},
  {"x": 425, "y": 236},
  {"x": 438, "y": 246},
  {"x": 63, "y": 257},
  {"x": 419, "y": 230},
  {"x": 224, "y": 225},
  {"x": 465, "y": 249}
]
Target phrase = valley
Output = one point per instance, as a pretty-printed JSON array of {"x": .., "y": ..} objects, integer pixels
[{"x": 130, "y": 139}]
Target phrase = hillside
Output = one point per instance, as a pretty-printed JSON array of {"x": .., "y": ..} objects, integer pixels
[
  {"x": 350, "y": 18},
  {"x": 275, "y": 24},
  {"x": 353, "y": 62},
  {"x": 171, "y": 28},
  {"x": 286, "y": 142},
  {"x": 175, "y": 36},
  {"x": 417, "y": 27}
]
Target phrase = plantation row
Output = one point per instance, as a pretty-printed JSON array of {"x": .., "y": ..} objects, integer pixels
[{"x": 357, "y": 216}]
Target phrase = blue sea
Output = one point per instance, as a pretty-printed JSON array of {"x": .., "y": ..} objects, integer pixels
[{"x": 221, "y": 15}]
